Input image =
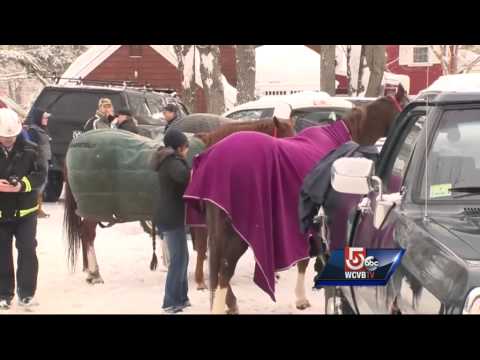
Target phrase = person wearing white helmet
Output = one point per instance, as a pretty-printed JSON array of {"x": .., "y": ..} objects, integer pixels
[{"x": 21, "y": 175}]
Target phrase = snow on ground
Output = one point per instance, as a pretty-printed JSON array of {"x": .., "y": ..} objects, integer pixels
[{"x": 124, "y": 253}]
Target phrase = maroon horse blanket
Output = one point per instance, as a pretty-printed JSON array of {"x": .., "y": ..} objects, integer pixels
[{"x": 256, "y": 180}]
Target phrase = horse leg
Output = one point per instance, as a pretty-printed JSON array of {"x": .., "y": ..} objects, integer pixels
[
  {"x": 217, "y": 239},
  {"x": 234, "y": 249},
  {"x": 302, "y": 302},
  {"x": 88, "y": 238},
  {"x": 199, "y": 237}
]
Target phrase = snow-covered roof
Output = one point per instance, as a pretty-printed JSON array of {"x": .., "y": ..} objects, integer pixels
[{"x": 97, "y": 54}]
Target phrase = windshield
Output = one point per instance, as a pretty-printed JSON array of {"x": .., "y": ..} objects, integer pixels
[
  {"x": 319, "y": 115},
  {"x": 307, "y": 117},
  {"x": 454, "y": 158}
]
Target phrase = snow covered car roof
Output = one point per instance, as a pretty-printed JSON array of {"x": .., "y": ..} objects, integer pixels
[
  {"x": 284, "y": 104},
  {"x": 452, "y": 83}
]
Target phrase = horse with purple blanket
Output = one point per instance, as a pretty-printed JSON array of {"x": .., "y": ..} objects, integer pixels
[{"x": 246, "y": 188}]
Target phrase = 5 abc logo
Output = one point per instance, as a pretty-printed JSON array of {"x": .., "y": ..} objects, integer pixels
[{"x": 356, "y": 259}]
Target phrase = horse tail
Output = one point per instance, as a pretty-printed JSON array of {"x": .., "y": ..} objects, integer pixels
[{"x": 72, "y": 224}]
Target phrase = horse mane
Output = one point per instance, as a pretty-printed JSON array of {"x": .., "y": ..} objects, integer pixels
[{"x": 262, "y": 125}]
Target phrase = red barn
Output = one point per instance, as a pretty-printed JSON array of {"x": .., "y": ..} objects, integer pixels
[
  {"x": 416, "y": 61},
  {"x": 144, "y": 64}
]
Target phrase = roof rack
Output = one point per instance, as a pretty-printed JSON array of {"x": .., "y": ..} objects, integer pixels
[{"x": 125, "y": 84}]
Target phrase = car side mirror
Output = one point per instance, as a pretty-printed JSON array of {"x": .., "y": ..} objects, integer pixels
[{"x": 352, "y": 175}]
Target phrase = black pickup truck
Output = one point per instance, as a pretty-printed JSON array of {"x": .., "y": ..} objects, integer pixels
[
  {"x": 429, "y": 169},
  {"x": 71, "y": 106}
]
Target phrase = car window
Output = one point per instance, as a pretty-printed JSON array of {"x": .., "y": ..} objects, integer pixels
[
  {"x": 138, "y": 105},
  {"x": 251, "y": 114},
  {"x": 74, "y": 104},
  {"x": 318, "y": 115},
  {"x": 156, "y": 105},
  {"x": 398, "y": 164},
  {"x": 454, "y": 156}
]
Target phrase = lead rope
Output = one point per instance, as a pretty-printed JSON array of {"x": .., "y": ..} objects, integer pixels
[{"x": 154, "y": 262}]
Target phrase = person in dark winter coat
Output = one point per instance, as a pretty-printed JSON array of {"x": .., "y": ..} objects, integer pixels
[
  {"x": 169, "y": 215},
  {"x": 125, "y": 121},
  {"x": 172, "y": 116},
  {"x": 102, "y": 118},
  {"x": 38, "y": 134},
  {"x": 21, "y": 175}
]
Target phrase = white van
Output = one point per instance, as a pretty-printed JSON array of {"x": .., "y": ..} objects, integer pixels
[{"x": 306, "y": 109}]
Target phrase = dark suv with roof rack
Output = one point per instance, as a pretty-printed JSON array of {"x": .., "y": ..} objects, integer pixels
[{"x": 71, "y": 106}]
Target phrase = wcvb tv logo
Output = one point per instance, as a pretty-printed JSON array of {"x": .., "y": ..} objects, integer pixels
[{"x": 356, "y": 266}]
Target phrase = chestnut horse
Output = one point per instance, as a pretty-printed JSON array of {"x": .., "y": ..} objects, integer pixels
[
  {"x": 226, "y": 243},
  {"x": 82, "y": 231}
]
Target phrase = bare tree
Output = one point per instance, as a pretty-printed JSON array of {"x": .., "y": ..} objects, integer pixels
[
  {"x": 448, "y": 55},
  {"x": 376, "y": 60},
  {"x": 27, "y": 68},
  {"x": 186, "y": 66},
  {"x": 349, "y": 70},
  {"x": 360, "y": 86},
  {"x": 212, "y": 78},
  {"x": 41, "y": 61},
  {"x": 327, "y": 69},
  {"x": 245, "y": 66}
]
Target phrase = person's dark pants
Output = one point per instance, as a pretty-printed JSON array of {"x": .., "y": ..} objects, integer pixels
[
  {"x": 176, "y": 286},
  {"x": 24, "y": 230}
]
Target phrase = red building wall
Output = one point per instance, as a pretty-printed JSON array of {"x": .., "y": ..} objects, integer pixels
[
  {"x": 420, "y": 76},
  {"x": 151, "y": 68}
]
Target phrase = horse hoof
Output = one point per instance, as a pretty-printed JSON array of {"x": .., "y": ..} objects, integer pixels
[
  {"x": 303, "y": 304},
  {"x": 202, "y": 286},
  {"x": 95, "y": 280},
  {"x": 233, "y": 311}
]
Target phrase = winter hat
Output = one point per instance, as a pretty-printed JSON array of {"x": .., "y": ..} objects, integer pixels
[
  {"x": 175, "y": 139},
  {"x": 37, "y": 116},
  {"x": 171, "y": 107},
  {"x": 104, "y": 101}
]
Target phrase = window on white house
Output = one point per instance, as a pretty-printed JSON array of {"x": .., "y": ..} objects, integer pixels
[{"x": 420, "y": 54}]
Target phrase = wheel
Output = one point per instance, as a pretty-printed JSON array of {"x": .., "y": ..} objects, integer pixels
[{"x": 54, "y": 186}]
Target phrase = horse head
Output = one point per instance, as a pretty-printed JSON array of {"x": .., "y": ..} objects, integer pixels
[
  {"x": 367, "y": 124},
  {"x": 283, "y": 128}
]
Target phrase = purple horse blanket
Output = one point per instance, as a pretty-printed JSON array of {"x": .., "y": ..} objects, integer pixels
[{"x": 256, "y": 180}]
